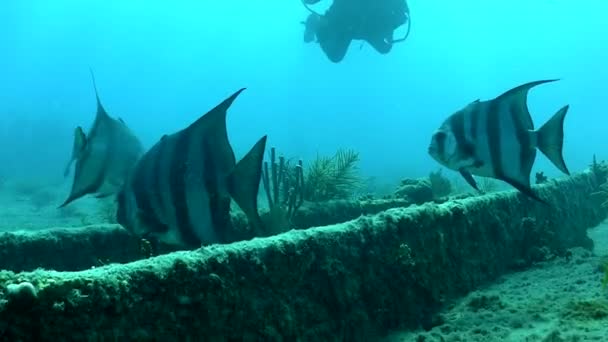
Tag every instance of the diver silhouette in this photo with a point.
(372, 21)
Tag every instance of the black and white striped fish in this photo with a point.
(181, 189)
(104, 157)
(496, 139)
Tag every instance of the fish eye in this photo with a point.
(440, 137)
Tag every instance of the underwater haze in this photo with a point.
(160, 65)
(215, 170)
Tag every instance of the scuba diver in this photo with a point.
(373, 21)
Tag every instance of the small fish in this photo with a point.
(104, 157)
(496, 139)
(181, 189)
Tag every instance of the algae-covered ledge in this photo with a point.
(350, 281)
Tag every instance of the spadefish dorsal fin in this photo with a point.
(217, 115)
(212, 126)
(524, 88)
(100, 109)
(517, 100)
(244, 182)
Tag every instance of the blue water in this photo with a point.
(160, 64)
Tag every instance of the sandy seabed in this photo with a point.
(558, 300)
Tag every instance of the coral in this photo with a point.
(537, 242)
(440, 185)
(333, 177)
(601, 195)
(415, 190)
(145, 248)
(605, 272)
(284, 187)
(23, 294)
(346, 282)
(586, 310)
(435, 187)
(600, 173)
(540, 178)
(599, 170)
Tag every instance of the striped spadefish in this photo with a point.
(498, 131)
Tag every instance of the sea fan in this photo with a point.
(333, 177)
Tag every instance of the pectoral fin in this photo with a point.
(525, 189)
(80, 141)
(477, 164)
(103, 195)
(469, 178)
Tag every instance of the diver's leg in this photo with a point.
(380, 44)
(333, 42)
(336, 49)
